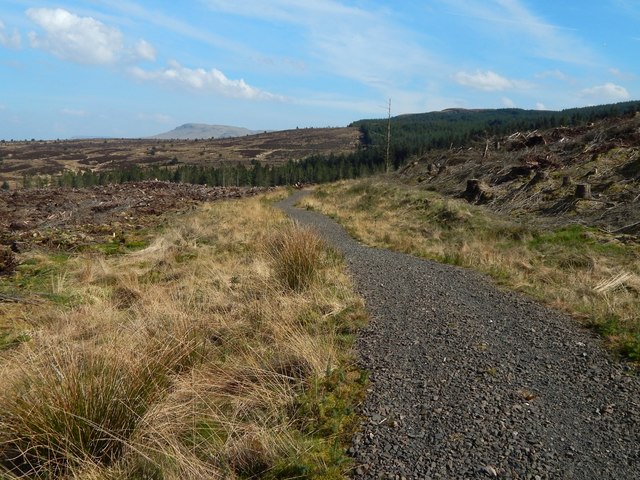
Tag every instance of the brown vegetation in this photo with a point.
(588, 175)
(188, 359)
(584, 271)
(275, 148)
(72, 219)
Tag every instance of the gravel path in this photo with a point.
(468, 381)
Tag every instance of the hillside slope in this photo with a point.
(191, 131)
(272, 148)
(544, 174)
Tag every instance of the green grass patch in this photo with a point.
(119, 246)
(324, 415)
(10, 340)
(41, 275)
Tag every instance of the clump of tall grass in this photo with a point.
(297, 255)
(189, 359)
(73, 405)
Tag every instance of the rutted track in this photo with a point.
(468, 381)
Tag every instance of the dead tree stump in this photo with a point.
(540, 176)
(477, 192)
(583, 190)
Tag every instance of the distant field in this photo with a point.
(55, 156)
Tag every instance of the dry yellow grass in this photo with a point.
(190, 359)
(565, 267)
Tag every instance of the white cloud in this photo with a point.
(540, 106)
(77, 39)
(507, 102)
(607, 92)
(83, 40)
(9, 40)
(145, 51)
(199, 79)
(488, 81)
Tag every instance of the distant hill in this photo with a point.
(191, 131)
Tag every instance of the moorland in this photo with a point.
(160, 319)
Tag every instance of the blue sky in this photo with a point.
(130, 68)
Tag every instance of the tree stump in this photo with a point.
(477, 192)
(8, 261)
(583, 190)
(540, 176)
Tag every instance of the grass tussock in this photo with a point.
(579, 270)
(196, 357)
(297, 255)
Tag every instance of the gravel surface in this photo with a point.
(468, 381)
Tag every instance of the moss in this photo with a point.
(10, 340)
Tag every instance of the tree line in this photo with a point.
(411, 136)
(313, 169)
(416, 134)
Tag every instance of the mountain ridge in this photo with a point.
(193, 131)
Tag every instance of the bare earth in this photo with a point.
(70, 218)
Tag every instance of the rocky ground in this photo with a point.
(468, 381)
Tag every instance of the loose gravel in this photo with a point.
(469, 381)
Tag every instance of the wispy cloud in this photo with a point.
(356, 43)
(622, 75)
(9, 40)
(488, 81)
(555, 74)
(609, 92)
(83, 40)
(145, 51)
(155, 117)
(155, 17)
(199, 79)
(627, 7)
(542, 38)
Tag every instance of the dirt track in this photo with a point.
(468, 381)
